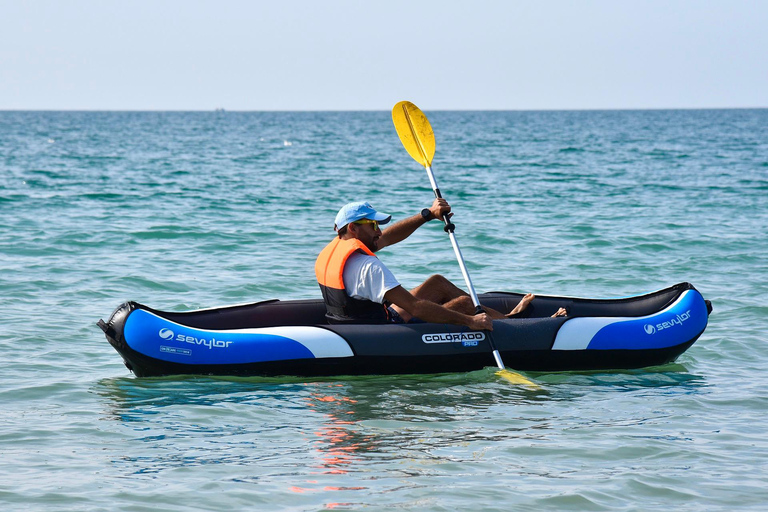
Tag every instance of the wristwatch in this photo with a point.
(426, 213)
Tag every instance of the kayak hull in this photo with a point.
(276, 338)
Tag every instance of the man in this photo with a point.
(356, 285)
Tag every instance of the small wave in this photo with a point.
(167, 232)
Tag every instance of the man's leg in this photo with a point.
(440, 290)
(436, 289)
(465, 305)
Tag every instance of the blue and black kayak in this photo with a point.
(293, 337)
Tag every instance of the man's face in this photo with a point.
(368, 232)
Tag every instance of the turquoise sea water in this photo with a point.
(190, 210)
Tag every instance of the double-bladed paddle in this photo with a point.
(417, 136)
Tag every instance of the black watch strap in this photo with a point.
(426, 213)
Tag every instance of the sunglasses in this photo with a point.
(368, 221)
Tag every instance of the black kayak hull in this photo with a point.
(291, 338)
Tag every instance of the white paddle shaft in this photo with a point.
(464, 270)
(454, 242)
(463, 267)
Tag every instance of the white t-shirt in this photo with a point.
(365, 277)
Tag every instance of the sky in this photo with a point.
(370, 54)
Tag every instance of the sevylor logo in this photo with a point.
(678, 320)
(168, 335)
(453, 337)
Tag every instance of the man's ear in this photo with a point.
(352, 229)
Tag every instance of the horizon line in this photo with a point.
(225, 110)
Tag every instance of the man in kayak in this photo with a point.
(358, 288)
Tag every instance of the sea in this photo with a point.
(189, 210)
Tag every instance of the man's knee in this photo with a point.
(436, 280)
(437, 289)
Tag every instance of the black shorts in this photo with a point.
(395, 318)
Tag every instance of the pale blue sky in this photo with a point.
(367, 55)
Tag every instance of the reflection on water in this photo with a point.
(338, 437)
(671, 375)
(365, 436)
(413, 398)
(408, 398)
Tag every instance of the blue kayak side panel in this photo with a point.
(159, 338)
(682, 321)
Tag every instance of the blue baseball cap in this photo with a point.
(358, 211)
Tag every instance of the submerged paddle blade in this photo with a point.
(516, 378)
(415, 132)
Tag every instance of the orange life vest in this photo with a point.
(329, 270)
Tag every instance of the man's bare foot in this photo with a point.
(560, 312)
(521, 305)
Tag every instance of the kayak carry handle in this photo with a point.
(106, 328)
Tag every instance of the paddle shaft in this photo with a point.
(449, 228)
(416, 134)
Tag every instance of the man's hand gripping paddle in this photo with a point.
(417, 136)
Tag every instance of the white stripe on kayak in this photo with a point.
(576, 334)
(321, 342)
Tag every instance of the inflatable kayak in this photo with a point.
(276, 337)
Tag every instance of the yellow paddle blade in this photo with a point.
(415, 132)
(516, 378)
